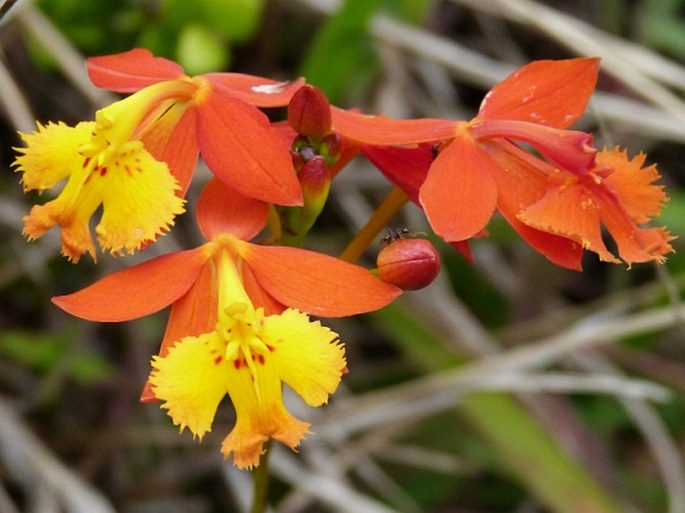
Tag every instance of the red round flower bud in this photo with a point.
(309, 112)
(410, 264)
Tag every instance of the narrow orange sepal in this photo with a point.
(257, 91)
(137, 291)
(552, 93)
(315, 283)
(174, 141)
(130, 71)
(382, 131)
(242, 151)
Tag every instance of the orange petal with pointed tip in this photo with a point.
(130, 71)
(193, 314)
(559, 250)
(463, 248)
(137, 291)
(222, 210)
(459, 194)
(257, 91)
(382, 131)
(314, 283)
(552, 93)
(174, 141)
(242, 151)
(405, 167)
(260, 297)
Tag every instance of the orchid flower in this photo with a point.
(239, 322)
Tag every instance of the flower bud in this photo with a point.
(330, 148)
(315, 179)
(410, 264)
(309, 112)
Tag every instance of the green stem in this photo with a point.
(391, 205)
(260, 480)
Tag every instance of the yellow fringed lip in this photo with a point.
(248, 357)
(137, 193)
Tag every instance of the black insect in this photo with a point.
(393, 234)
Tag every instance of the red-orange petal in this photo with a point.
(260, 297)
(137, 291)
(633, 184)
(552, 93)
(405, 167)
(193, 314)
(242, 150)
(257, 91)
(130, 71)
(382, 131)
(637, 244)
(315, 283)
(519, 184)
(222, 210)
(462, 247)
(559, 250)
(459, 194)
(570, 208)
(174, 141)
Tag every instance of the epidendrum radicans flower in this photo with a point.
(103, 166)
(138, 156)
(238, 323)
(463, 171)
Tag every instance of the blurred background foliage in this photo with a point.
(466, 397)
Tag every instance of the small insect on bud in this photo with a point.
(410, 264)
(309, 112)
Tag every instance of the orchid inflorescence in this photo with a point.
(240, 310)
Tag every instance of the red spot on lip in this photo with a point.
(218, 360)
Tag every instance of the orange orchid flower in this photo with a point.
(534, 105)
(408, 167)
(238, 323)
(478, 167)
(214, 115)
(617, 193)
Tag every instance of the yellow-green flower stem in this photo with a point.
(391, 205)
(260, 481)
